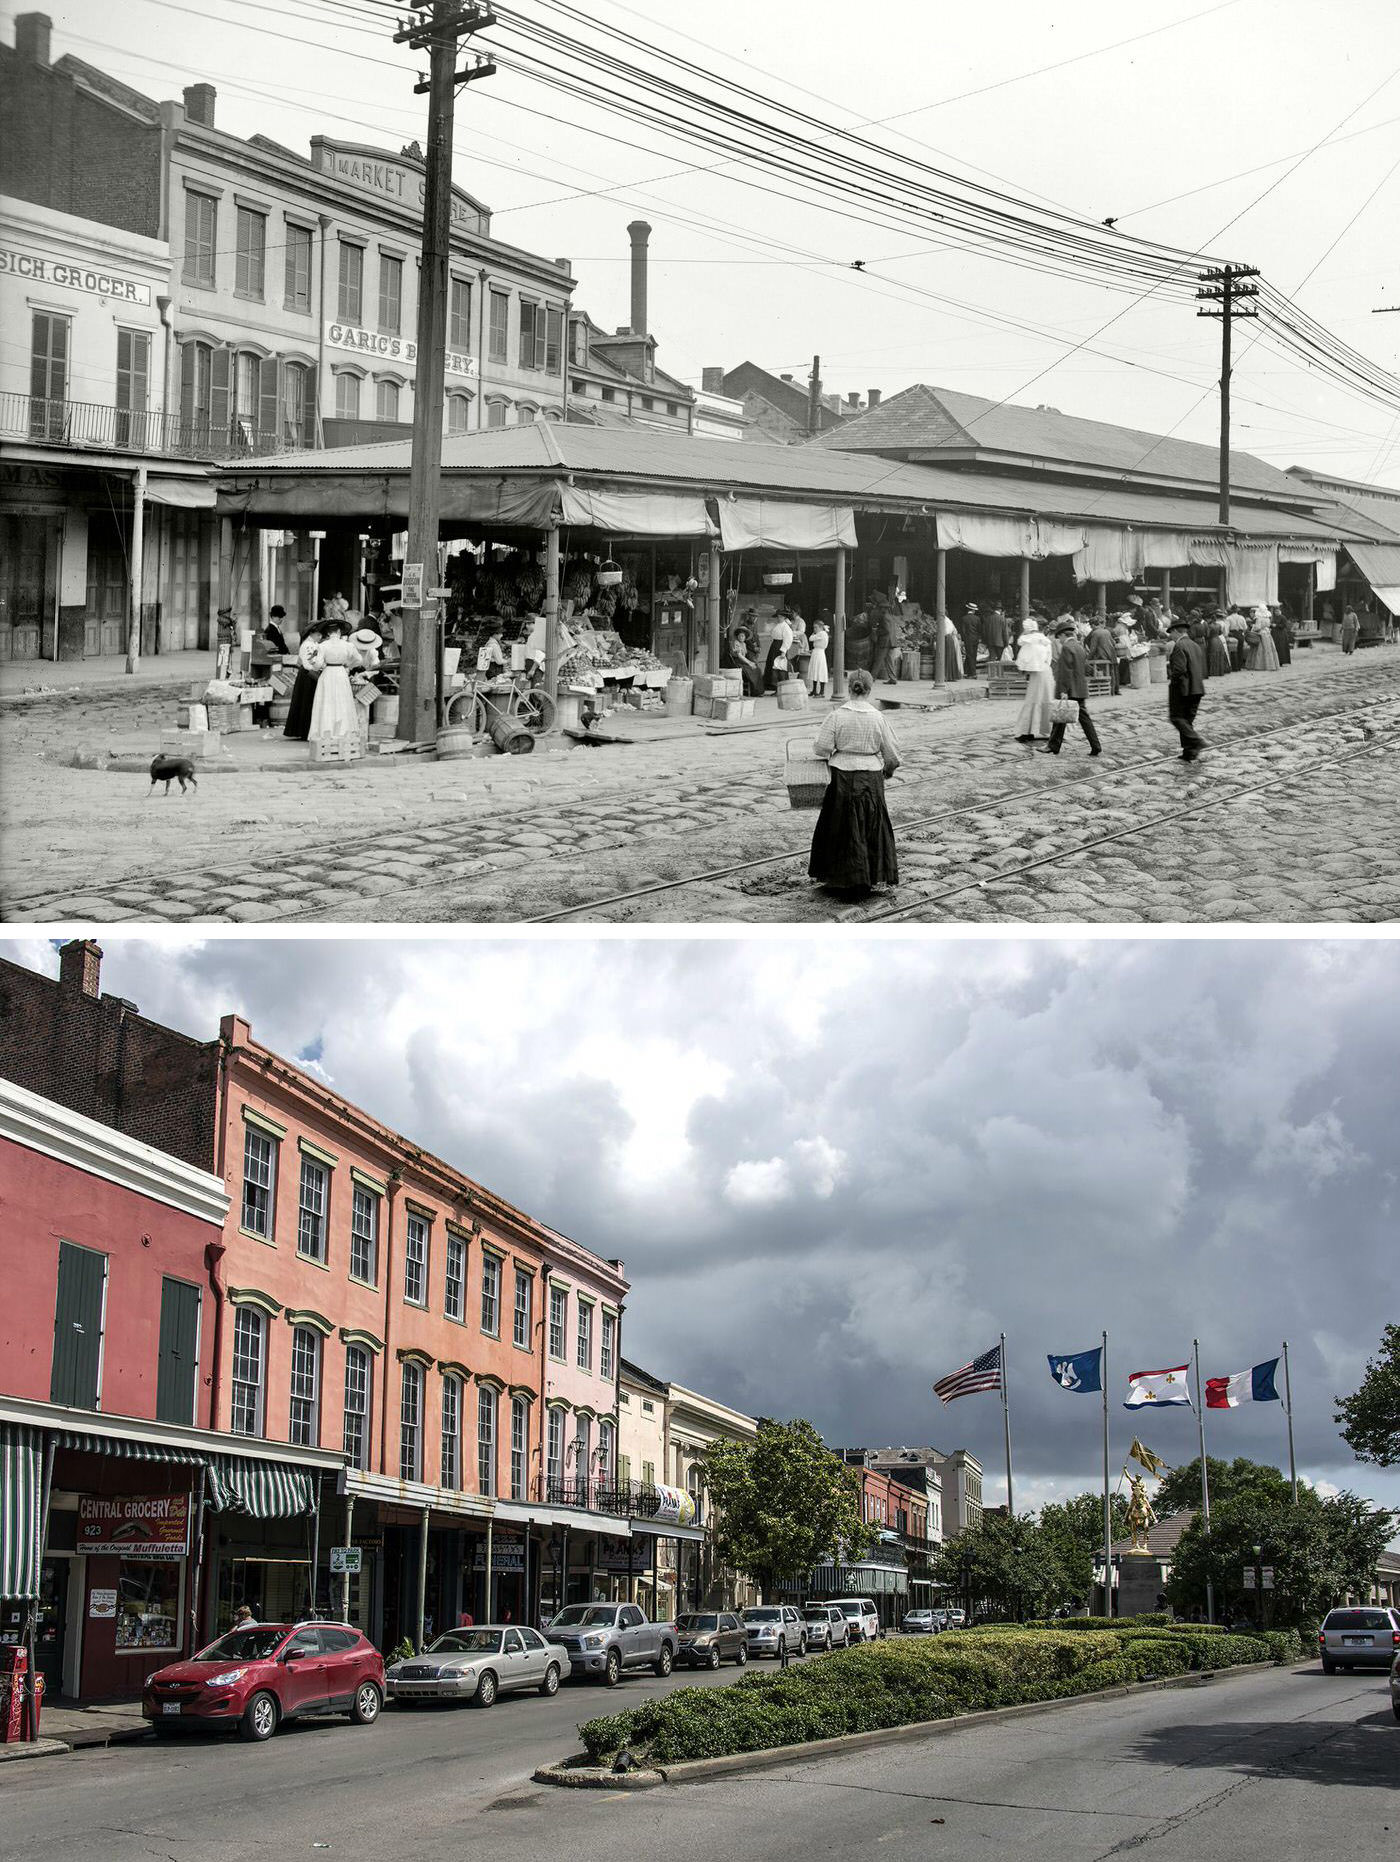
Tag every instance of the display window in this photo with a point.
(148, 1604)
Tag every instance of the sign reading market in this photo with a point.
(136, 1525)
(400, 180)
(375, 346)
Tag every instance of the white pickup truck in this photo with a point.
(603, 1639)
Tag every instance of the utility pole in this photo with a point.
(814, 396)
(436, 29)
(1223, 287)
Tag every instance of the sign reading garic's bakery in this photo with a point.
(375, 346)
(400, 180)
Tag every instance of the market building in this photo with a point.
(779, 409)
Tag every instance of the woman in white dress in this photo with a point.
(1033, 658)
(335, 717)
(816, 666)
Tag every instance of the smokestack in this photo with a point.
(32, 37)
(80, 967)
(639, 233)
(199, 104)
(872, 396)
(712, 381)
(814, 396)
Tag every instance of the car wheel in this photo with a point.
(1329, 1667)
(665, 1661)
(802, 1643)
(368, 1701)
(259, 1717)
(549, 1687)
(714, 1656)
(1395, 1708)
(742, 1656)
(486, 1689)
(612, 1671)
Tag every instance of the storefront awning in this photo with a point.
(1035, 537)
(774, 523)
(1379, 563)
(190, 494)
(636, 513)
(21, 1498)
(260, 1489)
(125, 1449)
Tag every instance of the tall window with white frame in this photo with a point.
(364, 1235)
(451, 1473)
(454, 1292)
(411, 1422)
(555, 1459)
(259, 1182)
(415, 1260)
(311, 1210)
(491, 1295)
(585, 1336)
(359, 1384)
(524, 1297)
(249, 1369)
(519, 1447)
(606, 1443)
(583, 1443)
(607, 1355)
(486, 1440)
(558, 1321)
(304, 1422)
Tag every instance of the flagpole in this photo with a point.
(1288, 1411)
(1107, 1504)
(1205, 1479)
(1006, 1420)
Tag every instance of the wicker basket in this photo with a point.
(807, 775)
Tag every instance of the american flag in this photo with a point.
(983, 1373)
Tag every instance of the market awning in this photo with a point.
(1379, 563)
(1035, 537)
(190, 494)
(636, 513)
(775, 523)
(21, 1498)
(260, 1489)
(123, 1448)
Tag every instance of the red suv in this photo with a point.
(264, 1673)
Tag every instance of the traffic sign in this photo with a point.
(345, 1560)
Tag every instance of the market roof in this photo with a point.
(923, 419)
(647, 455)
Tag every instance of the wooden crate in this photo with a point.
(1006, 681)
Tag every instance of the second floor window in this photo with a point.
(390, 294)
(524, 1291)
(201, 222)
(532, 335)
(347, 396)
(249, 1359)
(350, 296)
(451, 1472)
(364, 1235)
(358, 1387)
(386, 400)
(454, 1291)
(133, 370)
(457, 407)
(607, 1364)
(554, 340)
(411, 1424)
(259, 1181)
(297, 423)
(556, 1445)
(490, 1295)
(304, 1423)
(519, 1447)
(496, 337)
(558, 1319)
(585, 1337)
(605, 1452)
(459, 315)
(486, 1440)
(296, 291)
(496, 413)
(311, 1210)
(250, 264)
(415, 1261)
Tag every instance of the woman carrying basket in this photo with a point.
(853, 846)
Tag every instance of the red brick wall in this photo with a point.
(66, 149)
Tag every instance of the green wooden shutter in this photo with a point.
(178, 1363)
(77, 1326)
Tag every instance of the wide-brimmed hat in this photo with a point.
(1178, 623)
(1064, 627)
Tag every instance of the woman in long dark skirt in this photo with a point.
(853, 846)
(298, 725)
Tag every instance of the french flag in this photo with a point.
(1252, 1386)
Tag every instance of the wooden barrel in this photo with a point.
(454, 740)
(679, 696)
(792, 695)
(509, 736)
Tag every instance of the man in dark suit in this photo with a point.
(1102, 646)
(1072, 681)
(970, 633)
(1186, 684)
(994, 630)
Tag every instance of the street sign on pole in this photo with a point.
(345, 1560)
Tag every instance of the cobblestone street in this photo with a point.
(1292, 817)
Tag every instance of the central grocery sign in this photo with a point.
(135, 1525)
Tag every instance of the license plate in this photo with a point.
(170, 1706)
(1356, 1642)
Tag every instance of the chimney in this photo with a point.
(32, 37)
(853, 401)
(785, 378)
(712, 381)
(639, 233)
(872, 396)
(80, 962)
(199, 104)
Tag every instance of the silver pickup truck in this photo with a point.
(603, 1639)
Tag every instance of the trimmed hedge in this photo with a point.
(888, 1684)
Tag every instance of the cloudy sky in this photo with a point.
(1264, 131)
(837, 1169)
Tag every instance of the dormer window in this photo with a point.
(578, 342)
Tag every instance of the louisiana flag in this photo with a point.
(1255, 1385)
(1078, 1370)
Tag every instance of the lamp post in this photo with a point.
(1258, 1587)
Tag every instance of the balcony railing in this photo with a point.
(92, 427)
(622, 1499)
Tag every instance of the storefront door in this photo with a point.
(51, 1632)
(29, 548)
(108, 588)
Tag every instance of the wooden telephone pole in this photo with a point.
(1223, 288)
(438, 30)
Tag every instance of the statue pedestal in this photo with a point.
(1140, 1583)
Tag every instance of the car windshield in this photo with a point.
(761, 1616)
(1357, 1619)
(586, 1616)
(697, 1622)
(851, 1609)
(243, 1645)
(467, 1642)
(817, 1609)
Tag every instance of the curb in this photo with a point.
(594, 1778)
(33, 1749)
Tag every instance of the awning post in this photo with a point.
(349, 1540)
(551, 614)
(138, 567)
(488, 1614)
(940, 614)
(1101, 600)
(315, 1542)
(838, 627)
(712, 610)
(422, 1579)
(1025, 588)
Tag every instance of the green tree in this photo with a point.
(783, 1504)
(1370, 1417)
(1181, 1489)
(1074, 1530)
(1005, 1567)
(1320, 1551)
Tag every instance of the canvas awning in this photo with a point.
(125, 1449)
(189, 494)
(1034, 537)
(636, 513)
(1379, 563)
(260, 1489)
(21, 1501)
(774, 523)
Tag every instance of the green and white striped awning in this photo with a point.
(21, 1498)
(123, 1447)
(260, 1489)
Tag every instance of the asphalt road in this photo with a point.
(1274, 1766)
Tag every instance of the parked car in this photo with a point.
(257, 1677)
(775, 1628)
(705, 1638)
(1365, 1636)
(826, 1627)
(604, 1639)
(863, 1617)
(919, 1623)
(478, 1664)
(955, 1619)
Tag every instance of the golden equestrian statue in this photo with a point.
(1141, 1513)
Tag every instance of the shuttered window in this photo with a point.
(390, 294)
(178, 1364)
(554, 343)
(386, 400)
(459, 315)
(352, 283)
(77, 1327)
(500, 317)
(250, 263)
(297, 281)
(347, 396)
(532, 335)
(201, 221)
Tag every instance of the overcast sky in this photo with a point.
(837, 1168)
(1264, 131)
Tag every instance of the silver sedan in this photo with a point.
(477, 1665)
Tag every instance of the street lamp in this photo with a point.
(1258, 1587)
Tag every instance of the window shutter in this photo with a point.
(189, 363)
(267, 404)
(220, 374)
(308, 432)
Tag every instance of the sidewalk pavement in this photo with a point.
(31, 680)
(64, 1729)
